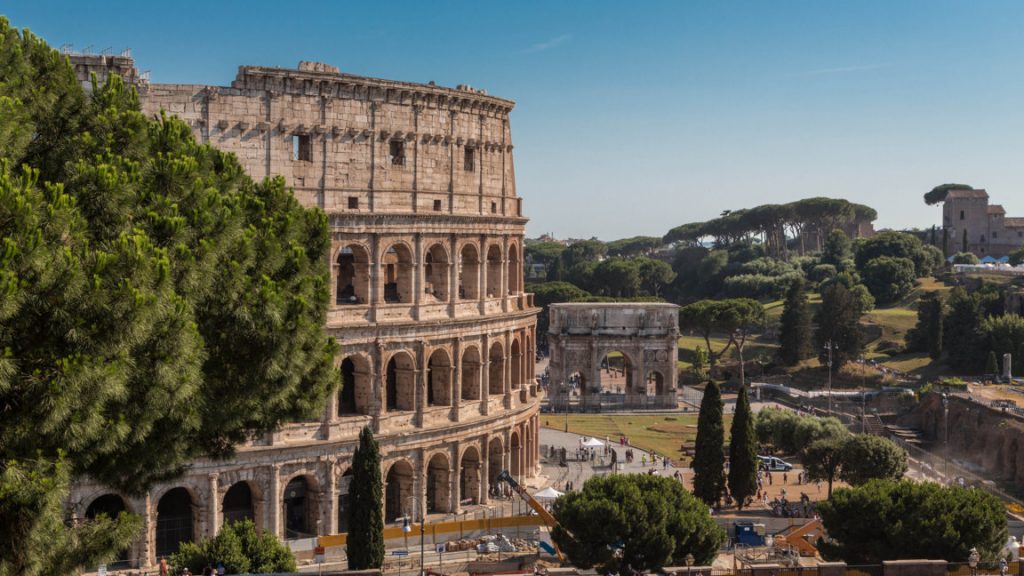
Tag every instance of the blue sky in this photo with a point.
(632, 118)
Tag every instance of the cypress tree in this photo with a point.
(795, 326)
(555, 272)
(964, 247)
(945, 242)
(962, 331)
(742, 452)
(708, 459)
(933, 311)
(991, 364)
(839, 323)
(365, 545)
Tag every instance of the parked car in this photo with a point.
(773, 464)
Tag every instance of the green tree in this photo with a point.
(991, 363)
(556, 271)
(823, 459)
(938, 194)
(965, 258)
(365, 545)
(1005, 334)
(795, 326)
(776, 426)
(838, 321)
(156, 304)
(635, 246)
(963, 243)
(700, 363)
(547, 293)
(742, 451)
(617, 277)
(708, 456)
(838, 249)
(927, 334)
(888, 279)
(655, 275)
(962, 330)
(867, 457)
(734, 317)
(640, 522)
(241, 547)
(920, 520)
(896, 245)
(945, 242)
(1017, 257)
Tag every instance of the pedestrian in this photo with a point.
(163, 566)
(1002, 567)
(785, 479)
(770, 481)
(220, 569)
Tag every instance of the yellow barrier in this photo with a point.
(449, 527)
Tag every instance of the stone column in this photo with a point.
(421, 383)
(213, 522)
(504, 267)
(379, 382)
(485, 375)
(485, 472)
(147, 546)
(419, 486)
(453, 274)
(418, 281)
(482, 251)
(274, 502)
(506, 373)
(376, 274)
(456, 379)
(332, 497)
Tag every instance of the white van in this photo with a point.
(773, 464)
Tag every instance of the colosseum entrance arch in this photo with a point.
(615, 356)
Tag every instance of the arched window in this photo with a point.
(496, 376)
(300, 509)
(471, 374)
(439, 379)
(238, 503)
(515, 271)
(494, 271)
(174, 521)
(352, 272)
(517, 365)
(438, 485)
(397, 491)
(401, 383)
(435, 273)
(469, 273)
(397, 266)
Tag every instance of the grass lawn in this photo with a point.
(664, 434)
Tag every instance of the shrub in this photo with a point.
(240, 547)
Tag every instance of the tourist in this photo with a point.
(785, 478)
(163, 566)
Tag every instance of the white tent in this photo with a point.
(548, 493)
(593, 443)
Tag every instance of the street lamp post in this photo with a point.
(945, 443)
(829, 346)
(863, 397)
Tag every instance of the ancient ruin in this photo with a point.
(437, 336)
(593, 343)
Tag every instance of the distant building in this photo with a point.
(988, 230)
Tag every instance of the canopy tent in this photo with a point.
(593, 443)
(988, 260)
(548, 493)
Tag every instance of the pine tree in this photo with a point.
(365, 546)
(795, 326)
(555, 270)
(742, 451)
(962, 331)
(708, 458)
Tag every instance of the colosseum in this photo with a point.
(437, 337)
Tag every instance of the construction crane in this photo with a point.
(542, 512)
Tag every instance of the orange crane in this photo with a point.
(537, 507)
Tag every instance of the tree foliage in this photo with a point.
(920, 520)
(889, 279)
(898, 245)
(156, 304)
(938, 194)
(734, 317)
(867, 457)
(651, 519)
(838, 321)
(1004, 334)
(927, 334)
(795, 326)
(365, 545)
(823, 460)
(963, 340)
(708, 457)
(241, 547)
(742, 451)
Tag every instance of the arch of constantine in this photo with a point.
(613, 355)
(437, 337)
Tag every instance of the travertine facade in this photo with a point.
(582, 335)
(437, 336)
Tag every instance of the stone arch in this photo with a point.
(469, 475)
(400, 382)
(471, 373)
(494, 270)
(109, 505)
(469, 272)
(654, 383)
(344, 486)
(517, 364)
(496, 369)
(616, 371)
(176, 518)
(439, 378)
(495, 459)
(356, 395)
(300, 506)
(398, 490)
(515, 270)
(438, 490)
(352, 275)
(436, 266)
(240, 501)
(397, 274)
